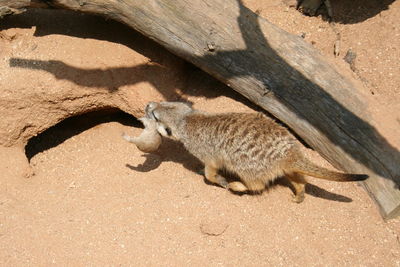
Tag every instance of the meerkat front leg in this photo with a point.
(211, 174)
(255, 185)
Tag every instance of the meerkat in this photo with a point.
(150, 139)
(251, 145)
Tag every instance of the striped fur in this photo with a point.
(251, 145)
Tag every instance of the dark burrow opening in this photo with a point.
(72, 126)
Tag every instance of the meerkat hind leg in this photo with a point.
(255, 185)
(298, 182)
(247, 184)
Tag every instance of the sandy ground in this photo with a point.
(96, 200)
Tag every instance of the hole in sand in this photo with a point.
(69, 127)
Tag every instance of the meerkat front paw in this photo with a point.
(298, 198)
(237, 187)
(222, 181)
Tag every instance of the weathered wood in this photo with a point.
(274, 69)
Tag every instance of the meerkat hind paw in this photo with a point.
(298, 198)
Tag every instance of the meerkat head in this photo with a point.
(168, 115)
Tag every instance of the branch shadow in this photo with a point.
(306, 95)
(194, 82)
(253, 36)
(111, 78)
(86, 26)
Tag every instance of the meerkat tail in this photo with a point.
(306, 167)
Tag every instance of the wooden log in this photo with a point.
(276, 70)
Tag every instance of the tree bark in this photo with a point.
(274, 69)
